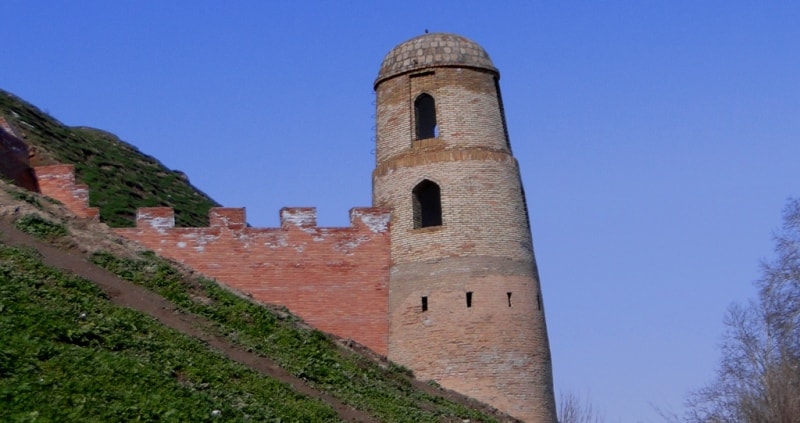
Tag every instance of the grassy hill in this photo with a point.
(72, 349)
(120, 177)
(67, 354)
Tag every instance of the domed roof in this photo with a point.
(435, 49)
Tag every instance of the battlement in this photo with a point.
(155, 217)
(58, 182)
(301, 217)
(376, 220)
(465, 307)
(316, 272)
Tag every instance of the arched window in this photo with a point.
(427, 205)
(425, 115)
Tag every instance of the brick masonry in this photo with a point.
(459, 303)
(465, 304)
(336, 279)
(58, 182)
(493, 349)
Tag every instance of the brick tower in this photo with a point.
(465, 307)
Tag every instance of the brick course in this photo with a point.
(367, 281)
(492, 346)
(336, 279)
(58, 182)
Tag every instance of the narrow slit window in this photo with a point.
(538, 301)
(424, 303)
(508, 294)
(469, 298)
(427, 205)
(425, 116)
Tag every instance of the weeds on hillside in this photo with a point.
(22, 195)
(309, 354)
(67, 354)
(33, 224)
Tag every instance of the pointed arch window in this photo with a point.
(425, 117)
(427, 205)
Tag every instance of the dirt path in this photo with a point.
(133, 296)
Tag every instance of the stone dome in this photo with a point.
(435, 49)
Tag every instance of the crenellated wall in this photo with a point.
(336, 279)
(457, 299)
(58, 182)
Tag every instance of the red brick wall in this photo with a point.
(58, 182)
(336, 279)
(495, 348)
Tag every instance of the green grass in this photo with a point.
(40, 227)
(309, 354)
(67, 354)
(120, 177)
(22, 195)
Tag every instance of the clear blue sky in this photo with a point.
(658, 141)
